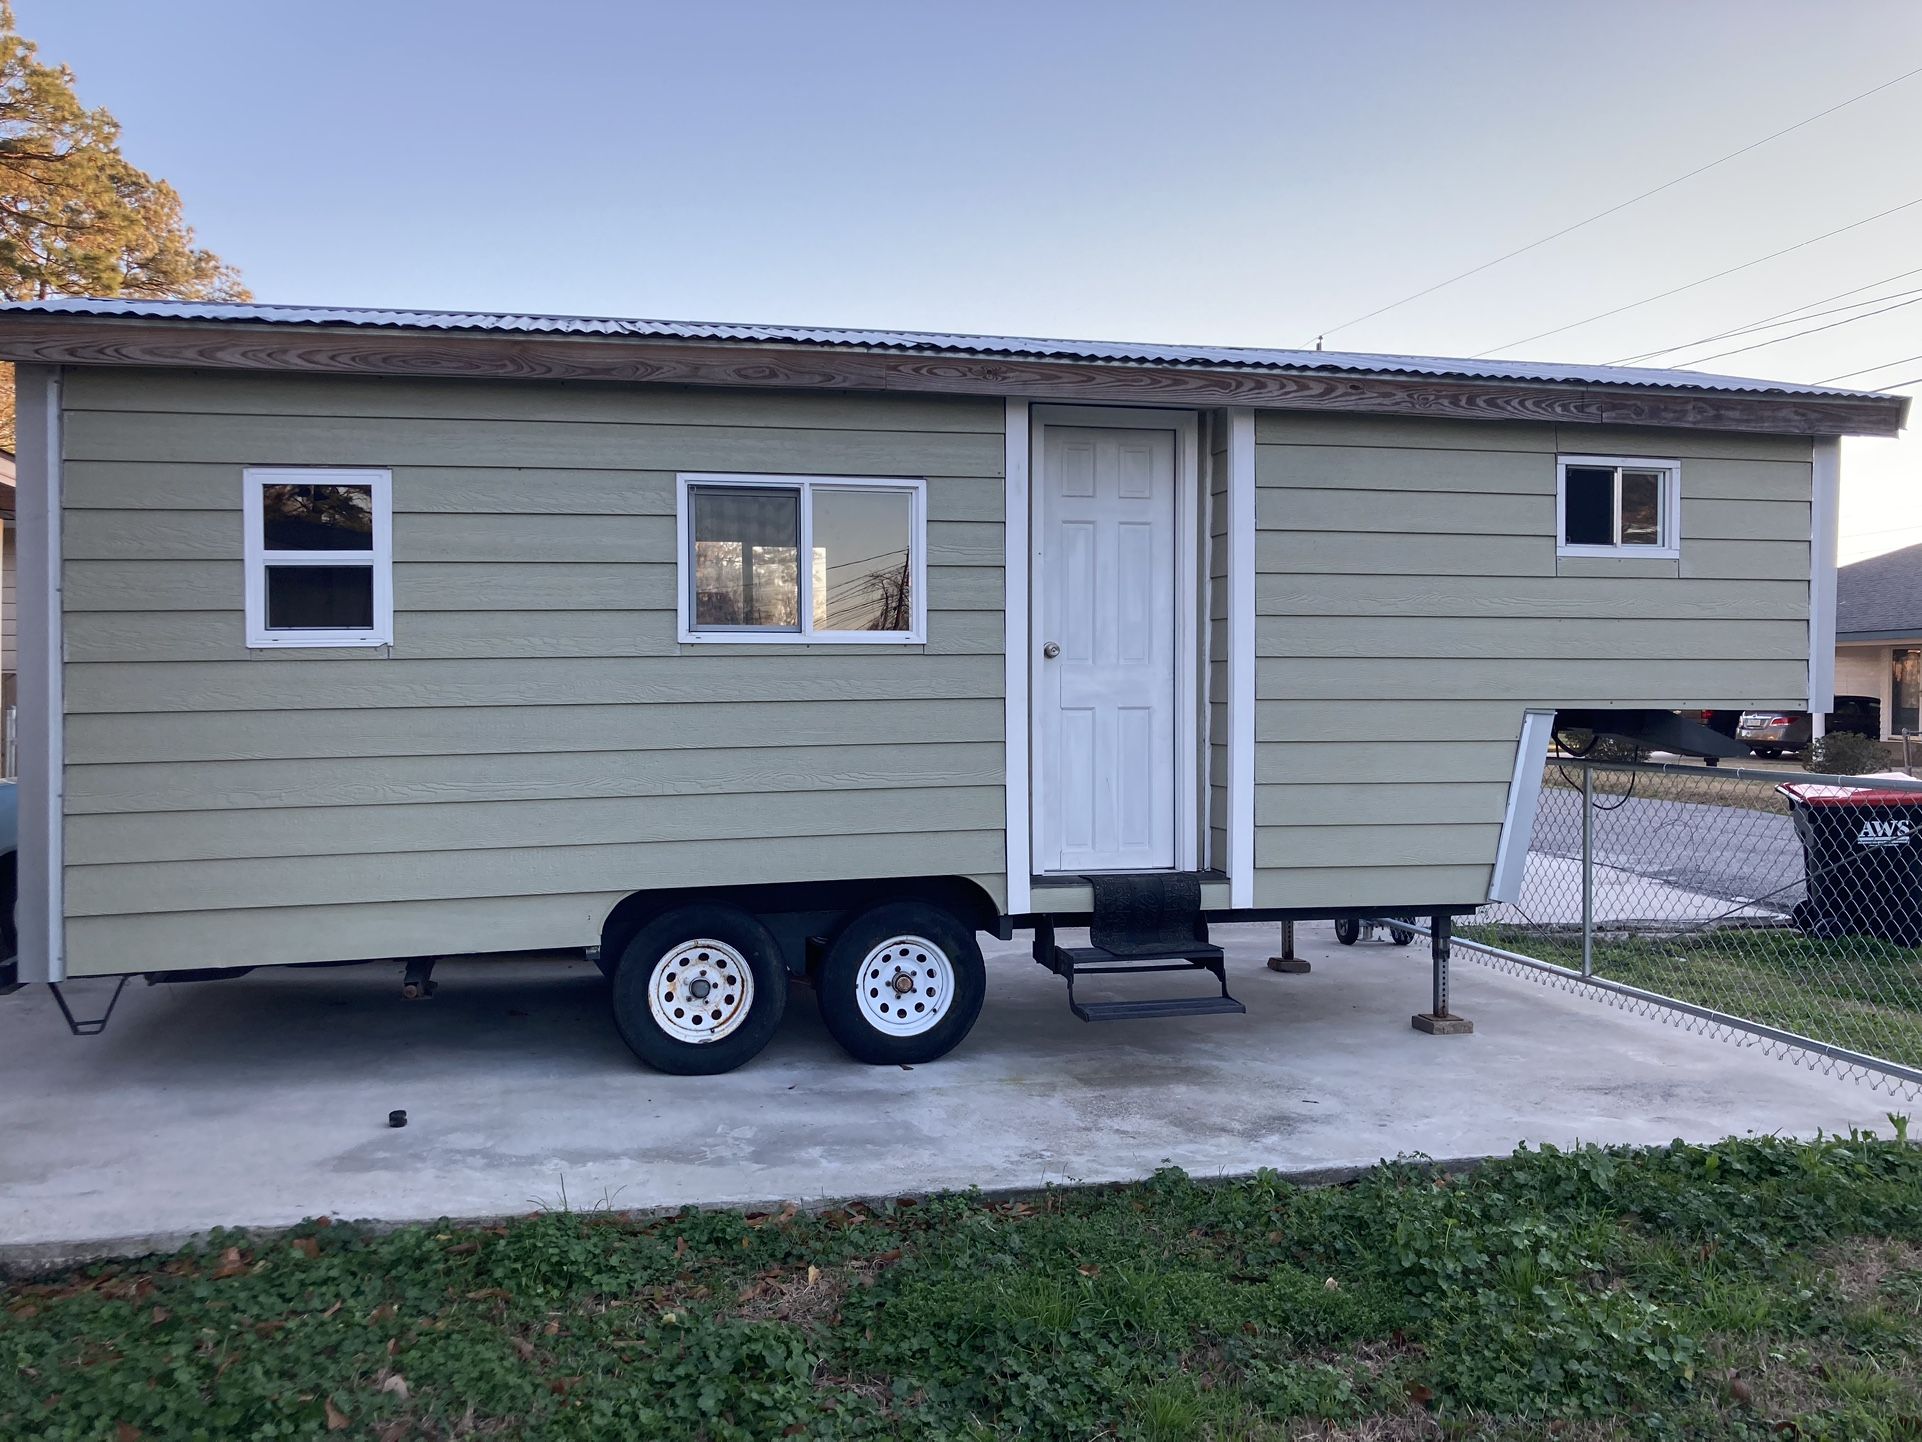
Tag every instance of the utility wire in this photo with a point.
(1812, 330)
(1902, 385)
(1624, 205)
(1866, 369)
(1677, 290)
(1781, 317)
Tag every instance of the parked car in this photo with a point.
(1770, 733)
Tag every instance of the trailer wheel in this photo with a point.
(902, 983)
(1347, 930)
(1400, 935)
(700, 990)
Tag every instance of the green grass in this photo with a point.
(1852, 991)
(1754, 1289)
(1708, 786)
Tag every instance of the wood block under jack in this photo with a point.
(1441, 1025)
(1288, 961)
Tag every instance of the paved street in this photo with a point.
(1725, 852)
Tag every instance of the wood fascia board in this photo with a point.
(351, 350)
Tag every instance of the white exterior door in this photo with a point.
(1105, 617)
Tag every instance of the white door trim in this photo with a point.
(1187, 616)
(1018, 847)
(1240, 863)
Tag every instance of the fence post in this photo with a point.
(1588, 868)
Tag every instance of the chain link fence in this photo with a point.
(1774, 909)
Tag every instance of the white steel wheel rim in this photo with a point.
(905, 986)
(701, 991)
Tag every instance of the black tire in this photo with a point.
(1400, 935)
(925, 936)
(681, 931)
(1348, 931)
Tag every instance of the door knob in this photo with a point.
(1051, 650)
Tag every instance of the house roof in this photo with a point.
(930, 342)
(1880, 598)
(515, 346)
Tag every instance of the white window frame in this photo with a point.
(1671, 507)
(914, 487)
(380, 560)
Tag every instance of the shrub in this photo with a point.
(1843, 753)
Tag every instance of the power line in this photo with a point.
(1903, 385)
(1624, 205)
(1866, 369)
(1664, 295)
(1798, 334)
(1780, 317)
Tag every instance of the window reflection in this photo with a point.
(1641, 508)
(863, 573)
(747, 544)
(317, 518)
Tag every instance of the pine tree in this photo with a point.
(76, 216)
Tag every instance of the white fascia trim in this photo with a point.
(1524, 795)
(1825, 503)
(1015, 642)
(1241, 657)
(41, 911)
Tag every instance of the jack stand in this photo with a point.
(1440, 1021)
(1288, 962)
(95, 1025)
(418, 980)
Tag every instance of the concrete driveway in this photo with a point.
(264, 1100)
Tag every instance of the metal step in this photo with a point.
(1162, 1006)
(1157, 958)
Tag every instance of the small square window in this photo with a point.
(742, 574)
(1608, 507)
(319, 557)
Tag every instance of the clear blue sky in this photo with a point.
(1246, 173)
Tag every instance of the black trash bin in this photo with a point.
(1862, 852)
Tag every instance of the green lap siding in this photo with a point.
(537, 742)
(1410, 607)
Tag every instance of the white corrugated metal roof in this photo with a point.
(1117, 352)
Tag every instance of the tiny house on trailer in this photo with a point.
(747, 654)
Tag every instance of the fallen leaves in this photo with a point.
(394, 1385)
(306, 1246)
(337, 1420)
(233, 1263)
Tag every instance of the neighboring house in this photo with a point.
(1878, 636)
(743, 652)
